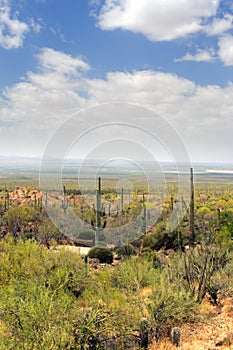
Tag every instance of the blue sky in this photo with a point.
(60, 57)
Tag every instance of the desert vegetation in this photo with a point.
(150, 293)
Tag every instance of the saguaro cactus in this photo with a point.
(191, 212)
(35, 201)
(46, 199)
(97, 226)
(122, 201)
(219, 219)
(6, 200)
(144, 215)
(39, 201)
(172, 204)
(64, 204)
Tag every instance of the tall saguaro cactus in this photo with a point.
(98, 209)
(144, 215)
(122, 200)
(191, 211)
(97, 226)
(6, 200)
(64, 204)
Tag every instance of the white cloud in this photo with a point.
(12, 30)
(226, 49)
(32, 109)
(56, 61)
(220, 25)
(146, 87)
(161, 20)
(207, 55)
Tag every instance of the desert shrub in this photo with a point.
(103, 254)
(39, 309)
(36, 317)
(151, 255)
(21, 221)
(134, 274)
(197, 268)
(223, 279)
(36, 296)
(126, 251)
(224, 237)
(48, 234)
(164, 239)
(101, 327)
(170, 301)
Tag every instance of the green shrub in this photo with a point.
(126, 251)
(163, 239)
(134, 273)
(103, 254)
(36, 299)
(224, 238)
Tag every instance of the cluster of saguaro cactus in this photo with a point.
(37, 203)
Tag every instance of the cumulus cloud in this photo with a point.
(226, 49)
(207, 55)
(12, 30)
(57, 61)
(34, 107)
(53, 88)
(201, 115)
(31, 109)
(220, 25)
(158, 20)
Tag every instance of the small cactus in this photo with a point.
(144, 333)
(176, 334)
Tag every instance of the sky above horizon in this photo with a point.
(62, 57)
